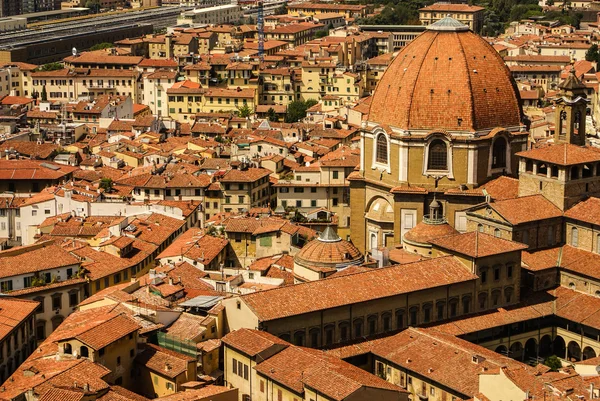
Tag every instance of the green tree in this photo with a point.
(44, 94)
(271, 115)
(321, 34)
(553, 363)
(93, 5)
(101, 46)
(296, 110)
(250, 20)
(592, 53)
(245, 111)
(281, 10)
(106, 184)
(51, 67)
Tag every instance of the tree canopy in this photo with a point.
(245, 111)
(553, 363)
(51, 67)
(296, 110)
(103, 45)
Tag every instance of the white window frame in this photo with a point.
(449, 172)
(374, 163)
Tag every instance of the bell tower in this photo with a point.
(570, 111)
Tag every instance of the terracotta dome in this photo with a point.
(423, 232)
(329, 250)
(448, 78)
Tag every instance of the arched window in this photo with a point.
(83, 350)
(314, 337)
(499, 153)
(497, 232)
(400, 319)
(466, 304)
(358, 328)
(508, 293)
(480, 228)
(372, 324)
(299, 338)
(482, 299)
(386, 318)
(344, 331)
(438, 155)
(381, 155)
(67, 349)
(495, 297)
(574, 237)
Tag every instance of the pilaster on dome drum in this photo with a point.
(448, 24)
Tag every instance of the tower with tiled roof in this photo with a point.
(570, 112)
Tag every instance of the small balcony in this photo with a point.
(434, 219)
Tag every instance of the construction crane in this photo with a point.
(260, 26)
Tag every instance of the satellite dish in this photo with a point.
(74, 51)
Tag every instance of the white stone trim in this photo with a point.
(403, 163)
(449, 172)
(374, 164)
(508, 167)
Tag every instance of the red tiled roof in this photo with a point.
(563, 154)
(428, 352)
(34, 258)
(502, 188)
(297, 367)
(477, 245)
(587, 211)
(525, 209)
(253, 342)
(163, 361)
(361, 287)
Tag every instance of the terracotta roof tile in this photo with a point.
(563, 154)
(587, 211)
(525, 209)
(476, 244)
(359, 287)
(163, 361)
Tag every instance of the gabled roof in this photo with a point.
(356, 288)
(525, 209)
(297, 368)
(564, 154)
(477, 245)
(587, 211)
(253, 342)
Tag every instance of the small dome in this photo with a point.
(329, 250)
(424, 232)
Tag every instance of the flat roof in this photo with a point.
(393, 28)
(202, 301)
(53, 12)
